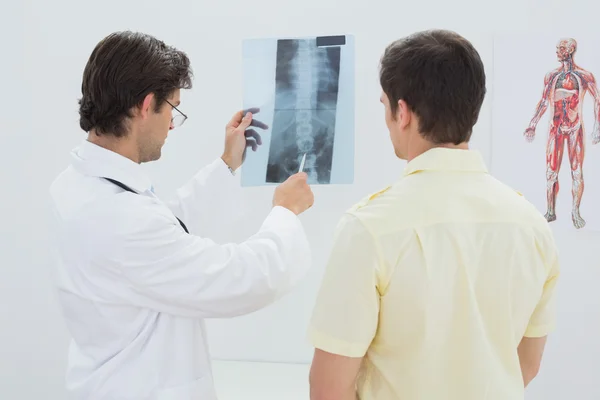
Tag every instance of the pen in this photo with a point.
(302, 163)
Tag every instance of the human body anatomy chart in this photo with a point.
(562, 99)
(304, 88)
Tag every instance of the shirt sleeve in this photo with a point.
(543, 319)
(346, 312)
(153, 263)
(212, 198)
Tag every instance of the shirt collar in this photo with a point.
(93, 160)
(444, 159)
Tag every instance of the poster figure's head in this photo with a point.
(433, 86)
(565, 49)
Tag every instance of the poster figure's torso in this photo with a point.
(567, 100)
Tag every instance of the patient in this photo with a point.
(441, 286)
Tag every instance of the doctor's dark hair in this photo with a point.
(122, 69)
(441, 77)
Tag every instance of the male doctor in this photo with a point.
(135, 278)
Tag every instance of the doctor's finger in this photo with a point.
(244, 123)
(251, 133)
(259, 124)
(251, 143)
(236, 119)
(253, 110)
(302, 176)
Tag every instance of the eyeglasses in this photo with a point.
(179, 118)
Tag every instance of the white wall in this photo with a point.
(45, 47)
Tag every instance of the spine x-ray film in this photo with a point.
(304, 88)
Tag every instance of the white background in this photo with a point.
(45, 47)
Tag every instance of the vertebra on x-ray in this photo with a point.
(306, 91)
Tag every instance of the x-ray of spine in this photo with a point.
(306, 91)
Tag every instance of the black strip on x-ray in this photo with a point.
(331, 41)
(306, 91)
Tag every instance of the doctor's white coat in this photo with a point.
(134, 287)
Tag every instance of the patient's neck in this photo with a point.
(421, 146)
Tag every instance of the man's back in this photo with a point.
(458, 267)
(122, 345)
(134, 286)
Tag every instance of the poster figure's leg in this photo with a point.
(305, 104)
(554, 154)
(576, 154)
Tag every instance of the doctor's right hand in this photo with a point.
(294, 194)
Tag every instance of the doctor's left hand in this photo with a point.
(238, 137)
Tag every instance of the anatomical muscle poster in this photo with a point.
(545, 124)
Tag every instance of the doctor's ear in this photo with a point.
(147, 106)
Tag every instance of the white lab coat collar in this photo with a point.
(93, 160)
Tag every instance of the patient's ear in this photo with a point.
(403, 114)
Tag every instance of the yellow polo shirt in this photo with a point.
(435, 281)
